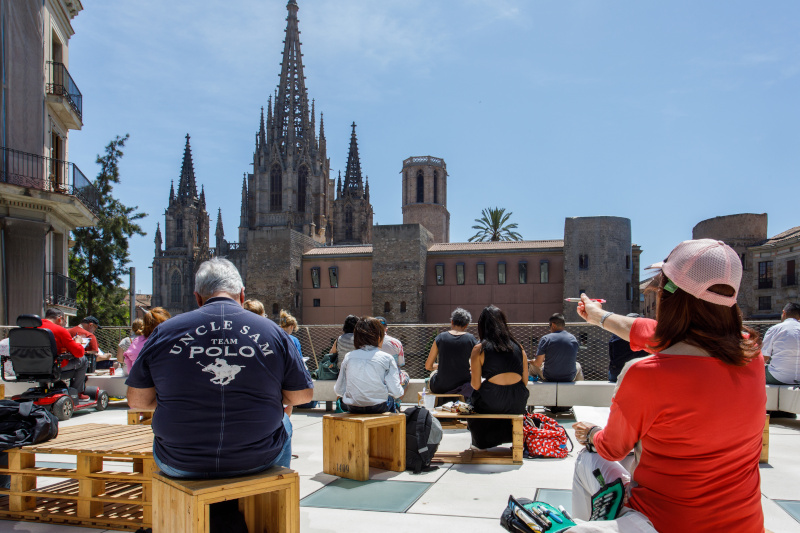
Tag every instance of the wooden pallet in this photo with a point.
(95, 494)
(501, 457)
(140, 416)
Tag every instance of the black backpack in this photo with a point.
(25, 423)
(419, 446)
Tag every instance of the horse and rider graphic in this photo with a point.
(223, 372)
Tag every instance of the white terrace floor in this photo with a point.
(455, 497)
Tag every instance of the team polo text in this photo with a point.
(225, 348)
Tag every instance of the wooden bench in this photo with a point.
(510, 457)
(351, 443)
(140, 417)
(269, 501)
(95, 493)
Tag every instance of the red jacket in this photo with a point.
(92, 346)
(64, 341)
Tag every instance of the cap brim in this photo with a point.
(655, 266)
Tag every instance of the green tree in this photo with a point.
(493, 226)
(98, 259)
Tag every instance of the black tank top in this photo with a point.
(496, 362)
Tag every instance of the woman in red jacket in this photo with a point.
(696, 407)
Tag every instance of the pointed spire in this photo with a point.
(262, 134)
(220, 232)
(291, 101)
(203, 196)
(243, 216)
(366, 190)
(171, 191)
(187, 187)
(323, 145)
(158, 240)
(353, 184)
(339, 186)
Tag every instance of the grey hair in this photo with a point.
(217, 275)
(460, 317)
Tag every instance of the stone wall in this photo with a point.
(431, 209)
(605, 243)
(398, 272)
(434, 217)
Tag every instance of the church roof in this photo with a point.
(496, 246)
(352, 250)
(785, 236)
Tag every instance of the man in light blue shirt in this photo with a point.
(781, 348)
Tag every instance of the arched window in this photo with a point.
(276, 308)
(275, 188)
(179, 231)
(420, 187)
(402, 307)
(348, 223)
(435, 187)
(175, 288)
(387, 307)
(302, 185)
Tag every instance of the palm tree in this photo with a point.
(492, 226)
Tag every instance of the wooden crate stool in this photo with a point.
(765, 443)
(352, 443)
(458, 397)
(269, 501)
(140, 416)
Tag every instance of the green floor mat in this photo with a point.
(790, 506)
(373, 495)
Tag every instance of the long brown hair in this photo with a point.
(717, 329)
(153, 318)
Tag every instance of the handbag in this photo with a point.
(544, 437)
(328, 368)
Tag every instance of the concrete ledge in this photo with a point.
(789, 398)
(772, 397)
(590, 393)
(543, 393)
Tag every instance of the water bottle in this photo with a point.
(422, 395)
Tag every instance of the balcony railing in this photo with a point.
(788, 280)
(60, 290)
(47, 174)
(765, 283)
(60, 83)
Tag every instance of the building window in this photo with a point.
(315, 277)
(627, 262)
(333, 275)
(481, 269)
(544, 272)
(523, 272)
(765, 275)
(791, 279)
(175, 288)
(460, 273)
(583, 261)
(581, 291)
(743, 256)
(435, 187)
(628, 294)
(402, 307)
(765, 303)
(179, 231)
(316, 302)
(387, 307)
(440, 274)
(501, 273)
(302, 186)
(275, 188)
(348, 223)
(296, 300)
(420, 187)
(276, 308)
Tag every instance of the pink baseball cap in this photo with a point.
(694, 266)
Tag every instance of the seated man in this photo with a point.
(54, 321)
(560, 348)
(221, 375)
(781, 348)
(86, 330)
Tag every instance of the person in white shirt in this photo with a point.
(369, 381)
(394, 348)
(781, 348)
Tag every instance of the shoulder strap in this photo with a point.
(423, 423)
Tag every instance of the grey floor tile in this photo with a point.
(386, 496)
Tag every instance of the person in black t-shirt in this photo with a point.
(218, 378)
(619, 353)
(453, 348)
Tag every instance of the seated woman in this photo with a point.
(344, 344)
(694, 410)
(151, 320)
(502, 362)
(369, 380)
(124, 344)
(453, 348)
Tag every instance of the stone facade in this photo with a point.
(399, 262)
(425, 195)
(598, 260)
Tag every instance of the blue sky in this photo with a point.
(666, 113)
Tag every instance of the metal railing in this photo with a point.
(60, 83)
(424, 160)
(48, 174)
(417, 339)
(765, 283)
(60, 290)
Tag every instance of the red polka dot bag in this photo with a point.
(544, 437)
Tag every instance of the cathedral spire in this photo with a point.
(243, 216)
(262, 134)
(220, 231)
(203, 196)
(366, 190)
(291, 102)
(353, 184)
(322, 142)
(158, 240)
(171, 191)
(339, 186)
(187, 187)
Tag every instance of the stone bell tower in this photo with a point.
(425, 195)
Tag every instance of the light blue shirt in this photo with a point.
(782, 344)
(367, 376)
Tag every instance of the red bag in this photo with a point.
(544, 437)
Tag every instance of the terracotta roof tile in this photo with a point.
(783, 236)
(496, 246)
(355, 249)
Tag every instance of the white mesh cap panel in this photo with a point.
(694, 266)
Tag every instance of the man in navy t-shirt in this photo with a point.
(219, 376)
(557, 354)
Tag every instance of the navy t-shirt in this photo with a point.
(218, 372)
(561, 354)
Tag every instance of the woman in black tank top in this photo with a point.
(452, 349)
(502, 362)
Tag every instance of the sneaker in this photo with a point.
(83, 397)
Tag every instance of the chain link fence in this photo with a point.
(417, 339)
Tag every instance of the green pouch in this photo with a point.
(607, 502)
